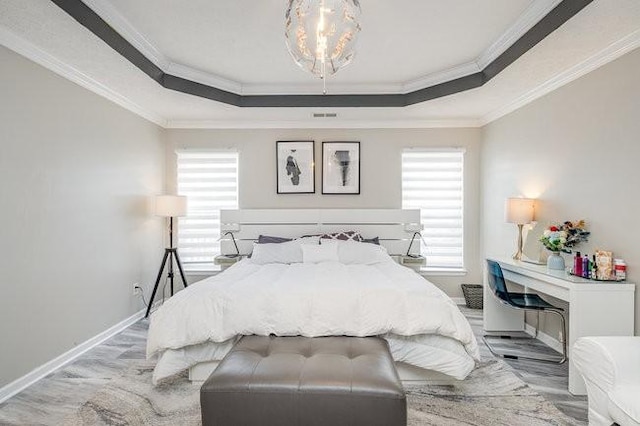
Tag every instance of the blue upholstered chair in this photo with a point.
(526, 302)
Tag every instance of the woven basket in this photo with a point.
(472, 295)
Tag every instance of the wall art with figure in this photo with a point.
(295, 168)
(341, 167)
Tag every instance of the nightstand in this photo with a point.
(414, 263)
(225, 261)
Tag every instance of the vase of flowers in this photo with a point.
(562, 238)
(555, 261)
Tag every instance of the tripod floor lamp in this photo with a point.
(169, 206)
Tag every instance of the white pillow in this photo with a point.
(288, 252)
(308, 240)
(320, 253)
(353, 252)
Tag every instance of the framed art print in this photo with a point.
(341, 167)
(295, 167)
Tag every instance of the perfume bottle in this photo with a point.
(577, 265)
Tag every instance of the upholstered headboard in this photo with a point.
(394, 227)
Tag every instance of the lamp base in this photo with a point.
(169, 254)
(518, 254)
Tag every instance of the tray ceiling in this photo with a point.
(242, 41)
(217, 44)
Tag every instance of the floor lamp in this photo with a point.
(169, 206)
(519, 211)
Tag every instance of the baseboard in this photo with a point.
(554, 344)
(38, 373)
(459, 300)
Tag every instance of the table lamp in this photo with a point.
(169, 206)
(519, 211)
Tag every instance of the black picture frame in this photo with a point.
(295, 167)
(341, 168)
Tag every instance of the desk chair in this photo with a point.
(526, 302)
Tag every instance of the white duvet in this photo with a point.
(423, 326)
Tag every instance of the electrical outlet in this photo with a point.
(137, 290)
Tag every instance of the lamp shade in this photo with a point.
(171, 205)
(519, 210)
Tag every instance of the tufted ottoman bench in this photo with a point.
(303, 381)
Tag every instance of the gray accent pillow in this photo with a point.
(266, 239)
(374, 240)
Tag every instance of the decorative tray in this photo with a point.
(596, 279)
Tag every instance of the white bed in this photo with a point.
(360, 292)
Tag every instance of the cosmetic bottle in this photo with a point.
(577, 265)
(585, 266)
(594, 269)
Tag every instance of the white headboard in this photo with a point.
(394, 227)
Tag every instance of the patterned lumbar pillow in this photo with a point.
(344, 236)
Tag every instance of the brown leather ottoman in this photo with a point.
(302, 381)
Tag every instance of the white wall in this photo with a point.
(380, 151)
(577, 150)
(76, 172)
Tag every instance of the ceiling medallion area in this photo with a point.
(341, 56)
(321, 35)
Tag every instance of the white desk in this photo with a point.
(596, 308)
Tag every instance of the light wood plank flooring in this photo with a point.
(54, 397)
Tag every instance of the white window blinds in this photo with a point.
(210, 181)
(432, 181)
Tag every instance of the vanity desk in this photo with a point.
(596, 308)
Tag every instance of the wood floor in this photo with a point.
(51, 399)
(549, 380)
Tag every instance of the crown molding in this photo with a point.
(118, 22)
(34, 53)
(610, 53)
(316, 87)
(203, 77)
(441, 77)
(90, 19)
(532, 15)
(330, 123)
(39, 56)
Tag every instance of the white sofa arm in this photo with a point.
(606, 362)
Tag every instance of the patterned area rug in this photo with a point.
(491, 395)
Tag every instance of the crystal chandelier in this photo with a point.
(321, 34)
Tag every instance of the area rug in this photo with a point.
(491, 395)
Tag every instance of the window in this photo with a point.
(210, 181)
(432, 181)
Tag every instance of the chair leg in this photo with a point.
(563, 338)
(485, 339)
